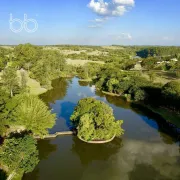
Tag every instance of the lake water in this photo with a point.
(145, 152)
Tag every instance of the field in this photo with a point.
(79, 62)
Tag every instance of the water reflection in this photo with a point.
(45, 147)
(66, 112)
(123, 159)
(83, 83)
(59, 91)
(95, 152)
(3, 175)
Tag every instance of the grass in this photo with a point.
(161, 77)
(80, 62)
(34, 86)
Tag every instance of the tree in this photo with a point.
(24, 79)
(4, 98)
(139, 95)
(171, 89)
(171, 94)
(19, 155)
(50, 66)
(95, 121)
(26, 55)
(112, 84)
(10, 80)
(31, 112)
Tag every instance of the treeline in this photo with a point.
(171, 51)
(134, 87)
(42, 65)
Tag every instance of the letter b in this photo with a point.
(11, 21)
(26, 21)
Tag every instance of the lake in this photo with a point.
(145, 152)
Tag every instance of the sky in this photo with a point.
(90, 22)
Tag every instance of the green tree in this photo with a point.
(19, 155)
(95, 120)
(139, 95)
(4, 98)
(24, 79)
(112, 84)
(26, 55)
(10, 80)
(31, 112)
(171, 89)
(171, 95)
(50, 66)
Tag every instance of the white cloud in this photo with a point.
(113, 8)
(125, 2)
(166, 38)
(119, 11)
(93, 88)
(122, 36)
(99, 20)
(95, 26)
(100, 7)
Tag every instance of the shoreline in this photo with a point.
(97, 142)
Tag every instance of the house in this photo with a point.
(174, 59)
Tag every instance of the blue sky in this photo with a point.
(93, 22)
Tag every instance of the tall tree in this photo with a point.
(10, 80)
(31, 112)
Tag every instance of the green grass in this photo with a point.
(33, 85)
(79, 62)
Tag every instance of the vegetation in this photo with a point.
(19, 155)
(10, 80)
(171, 95)
(95, 120)
(27, 69)
(30, 112)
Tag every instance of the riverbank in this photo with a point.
(166, 114)
(111, 94)
(85, 80)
